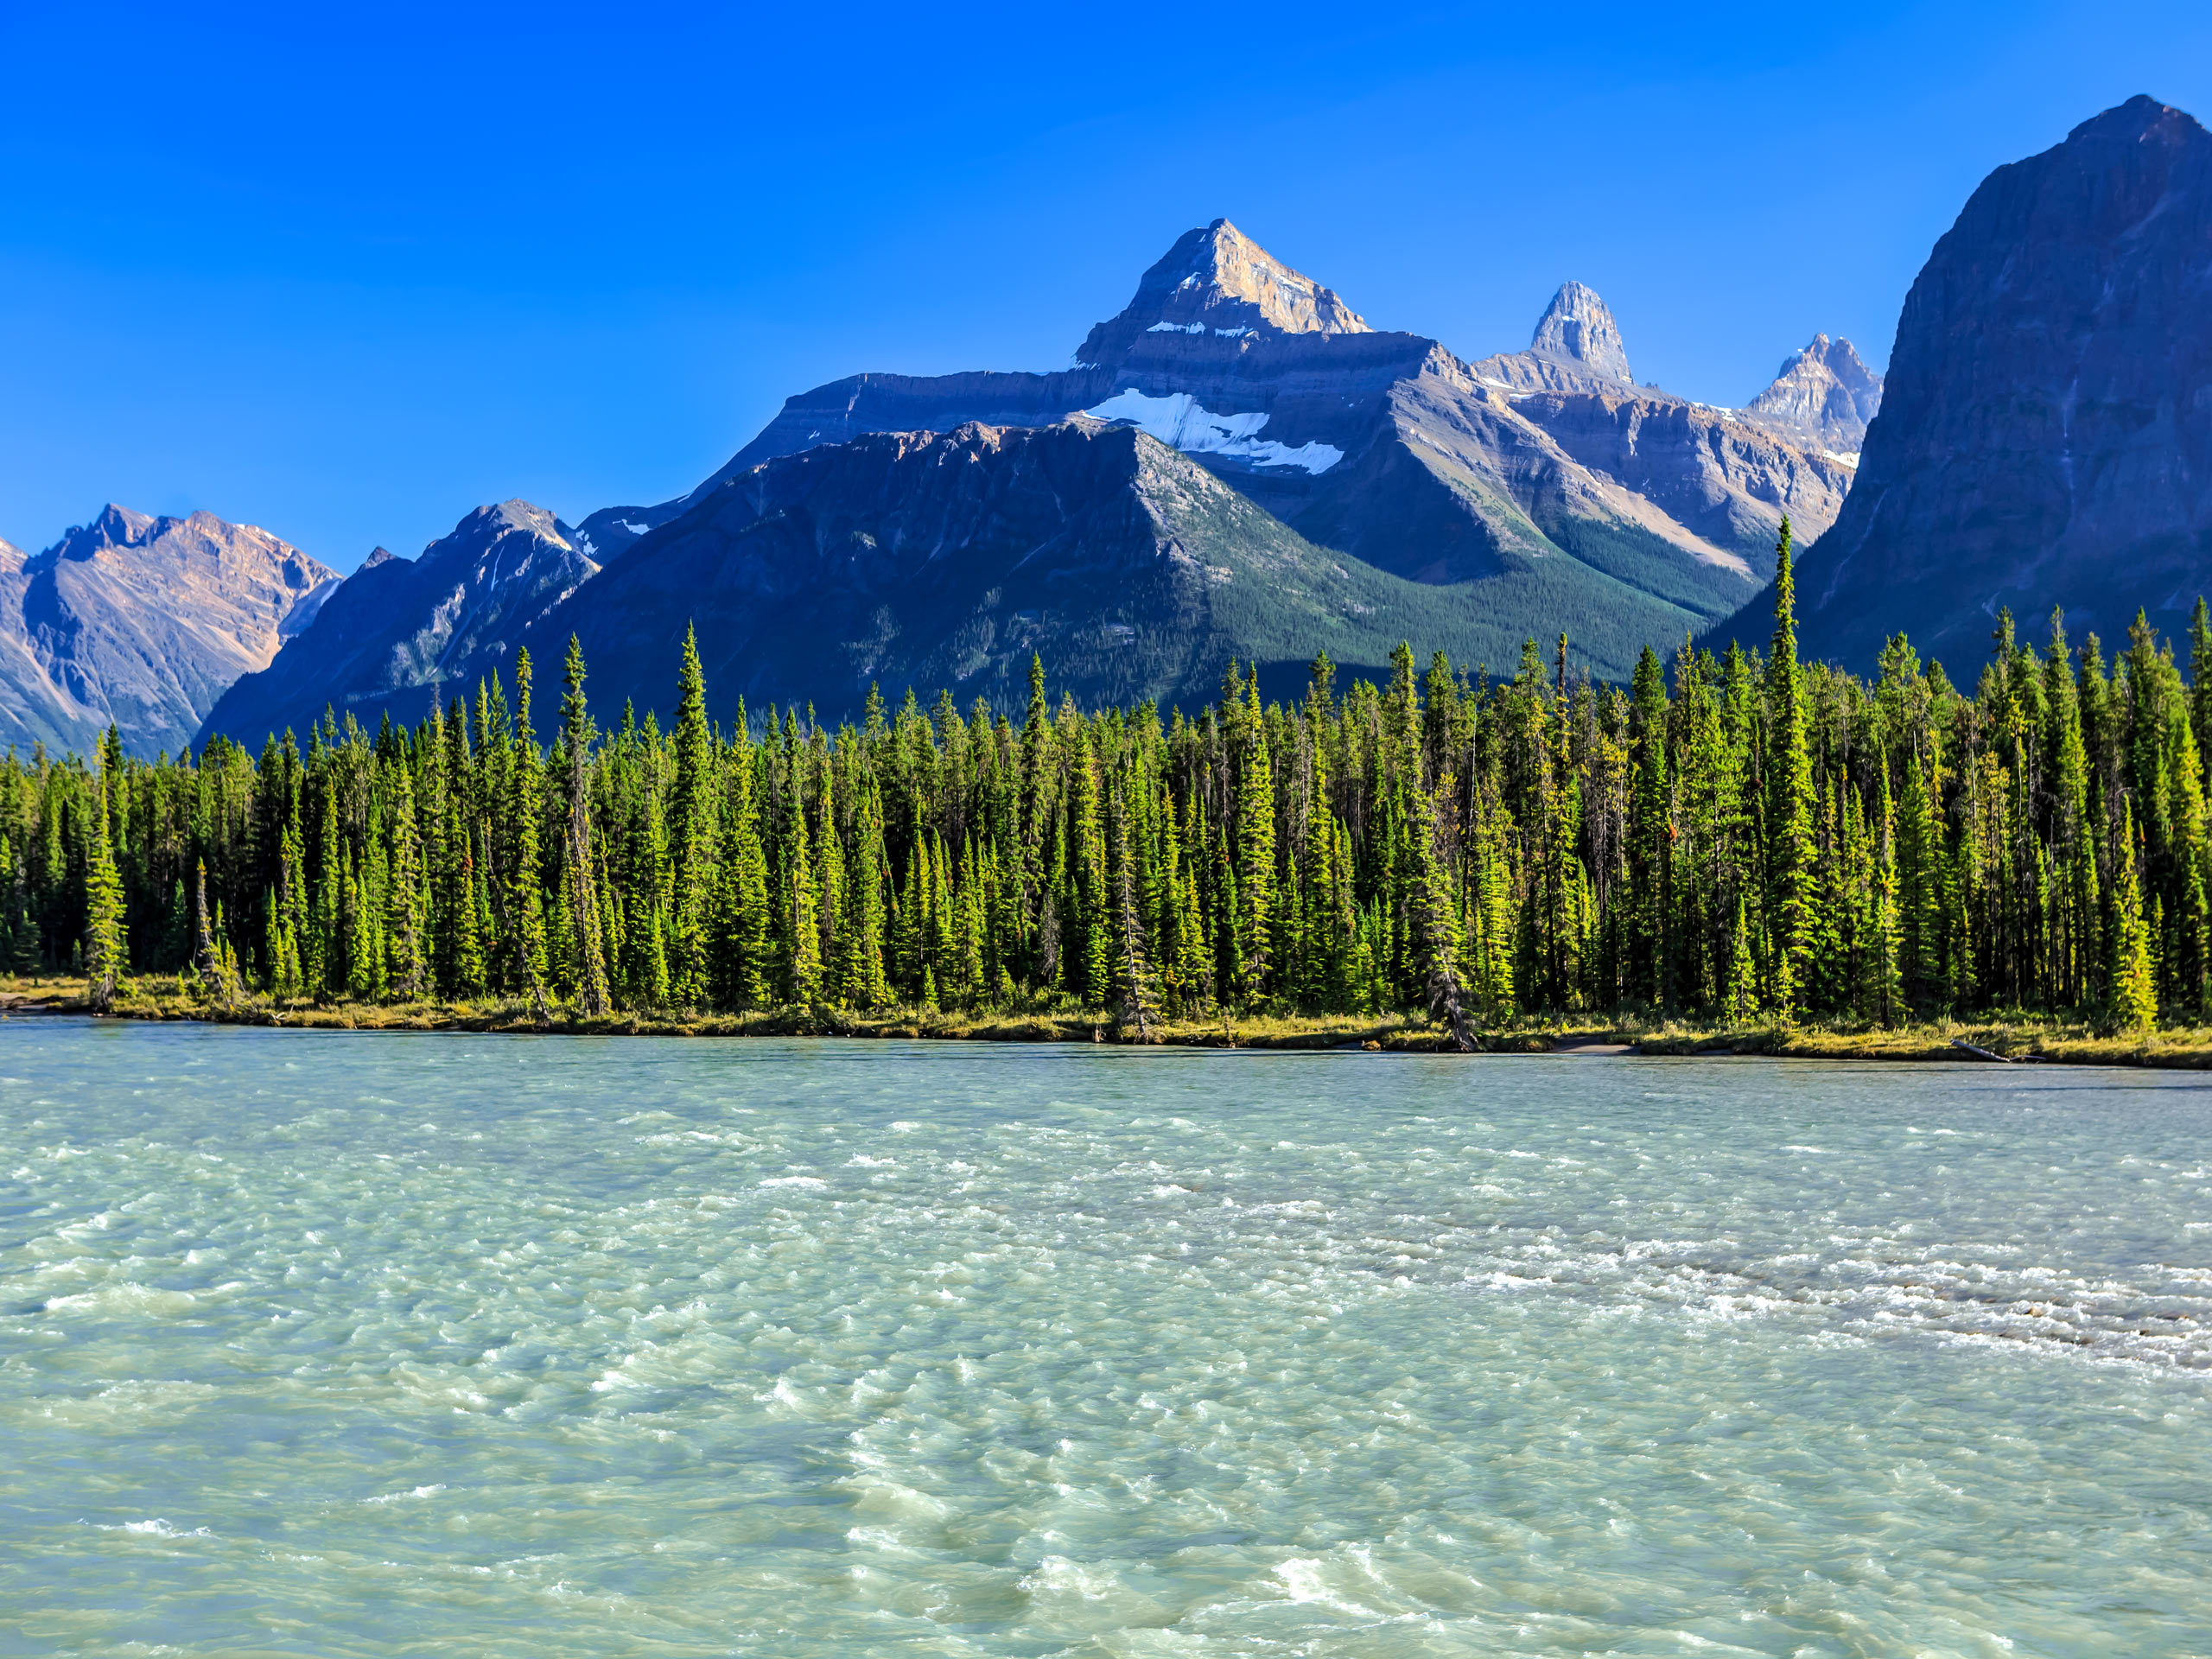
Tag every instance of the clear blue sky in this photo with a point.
(347, 275)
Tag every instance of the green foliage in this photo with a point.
(1736, 838)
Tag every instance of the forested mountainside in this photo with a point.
(906, 559)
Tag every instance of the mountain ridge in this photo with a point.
(140, 621)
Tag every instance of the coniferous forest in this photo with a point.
(1733, 838)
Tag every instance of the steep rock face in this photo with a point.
(142, 622)
(1728, 481)
(34, 707)
(1824, 395)
(1705, 479)
(1576, 347)
(2045, 432)
(1577, 331)
(395, 633)
(928, 560)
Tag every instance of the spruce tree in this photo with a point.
(1650, 840)
(802, 907)
(691, 828)
(402, 925)
(588, 957)
(1436, 926)
(105, 944)
(1137, 998)
(1255, 852)
(1791, 875)
(2133, 1000)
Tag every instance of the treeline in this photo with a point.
(1739, 837)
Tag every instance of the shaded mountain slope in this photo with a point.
(929, 560)
(2045, 432)
(399, 633)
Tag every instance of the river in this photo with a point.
(337, 1342)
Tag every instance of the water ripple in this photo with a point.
(360, 1343)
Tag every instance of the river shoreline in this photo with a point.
(2023, 1041)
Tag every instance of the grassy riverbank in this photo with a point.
(2021, 1038)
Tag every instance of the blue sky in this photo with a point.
(347, 275)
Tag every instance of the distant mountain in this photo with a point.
(397, 635)
(2046, 435)
(1824, 395)
(1520, 496)
(1718, 474)
(1386, 446)
(140, 623)
(1577, 347)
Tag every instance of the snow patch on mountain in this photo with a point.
(1178, 420)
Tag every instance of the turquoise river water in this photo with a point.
(324, 1343)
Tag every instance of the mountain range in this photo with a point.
(1238, 464)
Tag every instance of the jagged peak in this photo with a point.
(1823, 366)
(1217, 281)
(495, 519)
(114, 525)
(120, 529)
(1577, 327)
(380, 555)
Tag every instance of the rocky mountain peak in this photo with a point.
(1218, 282)
(1825, 394)
(115, 526)
(1578, 328)
(140, 621)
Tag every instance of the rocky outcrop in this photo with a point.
(140, 623)
(2045, 432)
(1823, 395)
(1579, 330)
(397, 635)
(35, 707)
(1727, 480)
(1707, 481)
